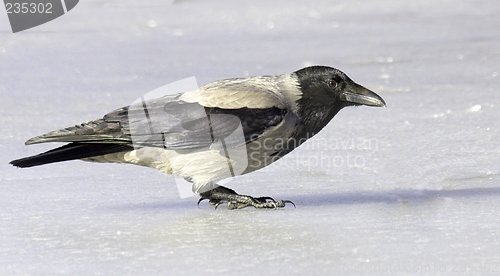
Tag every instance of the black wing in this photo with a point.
(167, 122)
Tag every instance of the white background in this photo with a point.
(407, 190)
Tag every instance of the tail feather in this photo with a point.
(91, 132)
(69, 152)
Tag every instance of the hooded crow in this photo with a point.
(225, 128)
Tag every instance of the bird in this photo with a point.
(225, 128)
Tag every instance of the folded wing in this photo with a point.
(172, 122)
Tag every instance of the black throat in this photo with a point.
(314, 118)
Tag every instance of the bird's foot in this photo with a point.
(234, 200)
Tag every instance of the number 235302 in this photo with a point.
(28, 7)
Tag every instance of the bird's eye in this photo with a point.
(332, 83)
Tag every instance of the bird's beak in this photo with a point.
(358, 95)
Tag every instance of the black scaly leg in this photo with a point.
(234, 200)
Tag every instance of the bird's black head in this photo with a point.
(326, 86)
(326, 90)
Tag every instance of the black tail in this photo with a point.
(69, 152)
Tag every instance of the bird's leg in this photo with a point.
(221, 194)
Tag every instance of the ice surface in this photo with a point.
(410, 189)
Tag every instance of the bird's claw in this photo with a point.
(288, 201)
(220, 195)
(200, 200)
(214, 202)
(246, 201)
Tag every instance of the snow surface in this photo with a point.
(407, 190)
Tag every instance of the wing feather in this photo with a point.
(191, 120)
